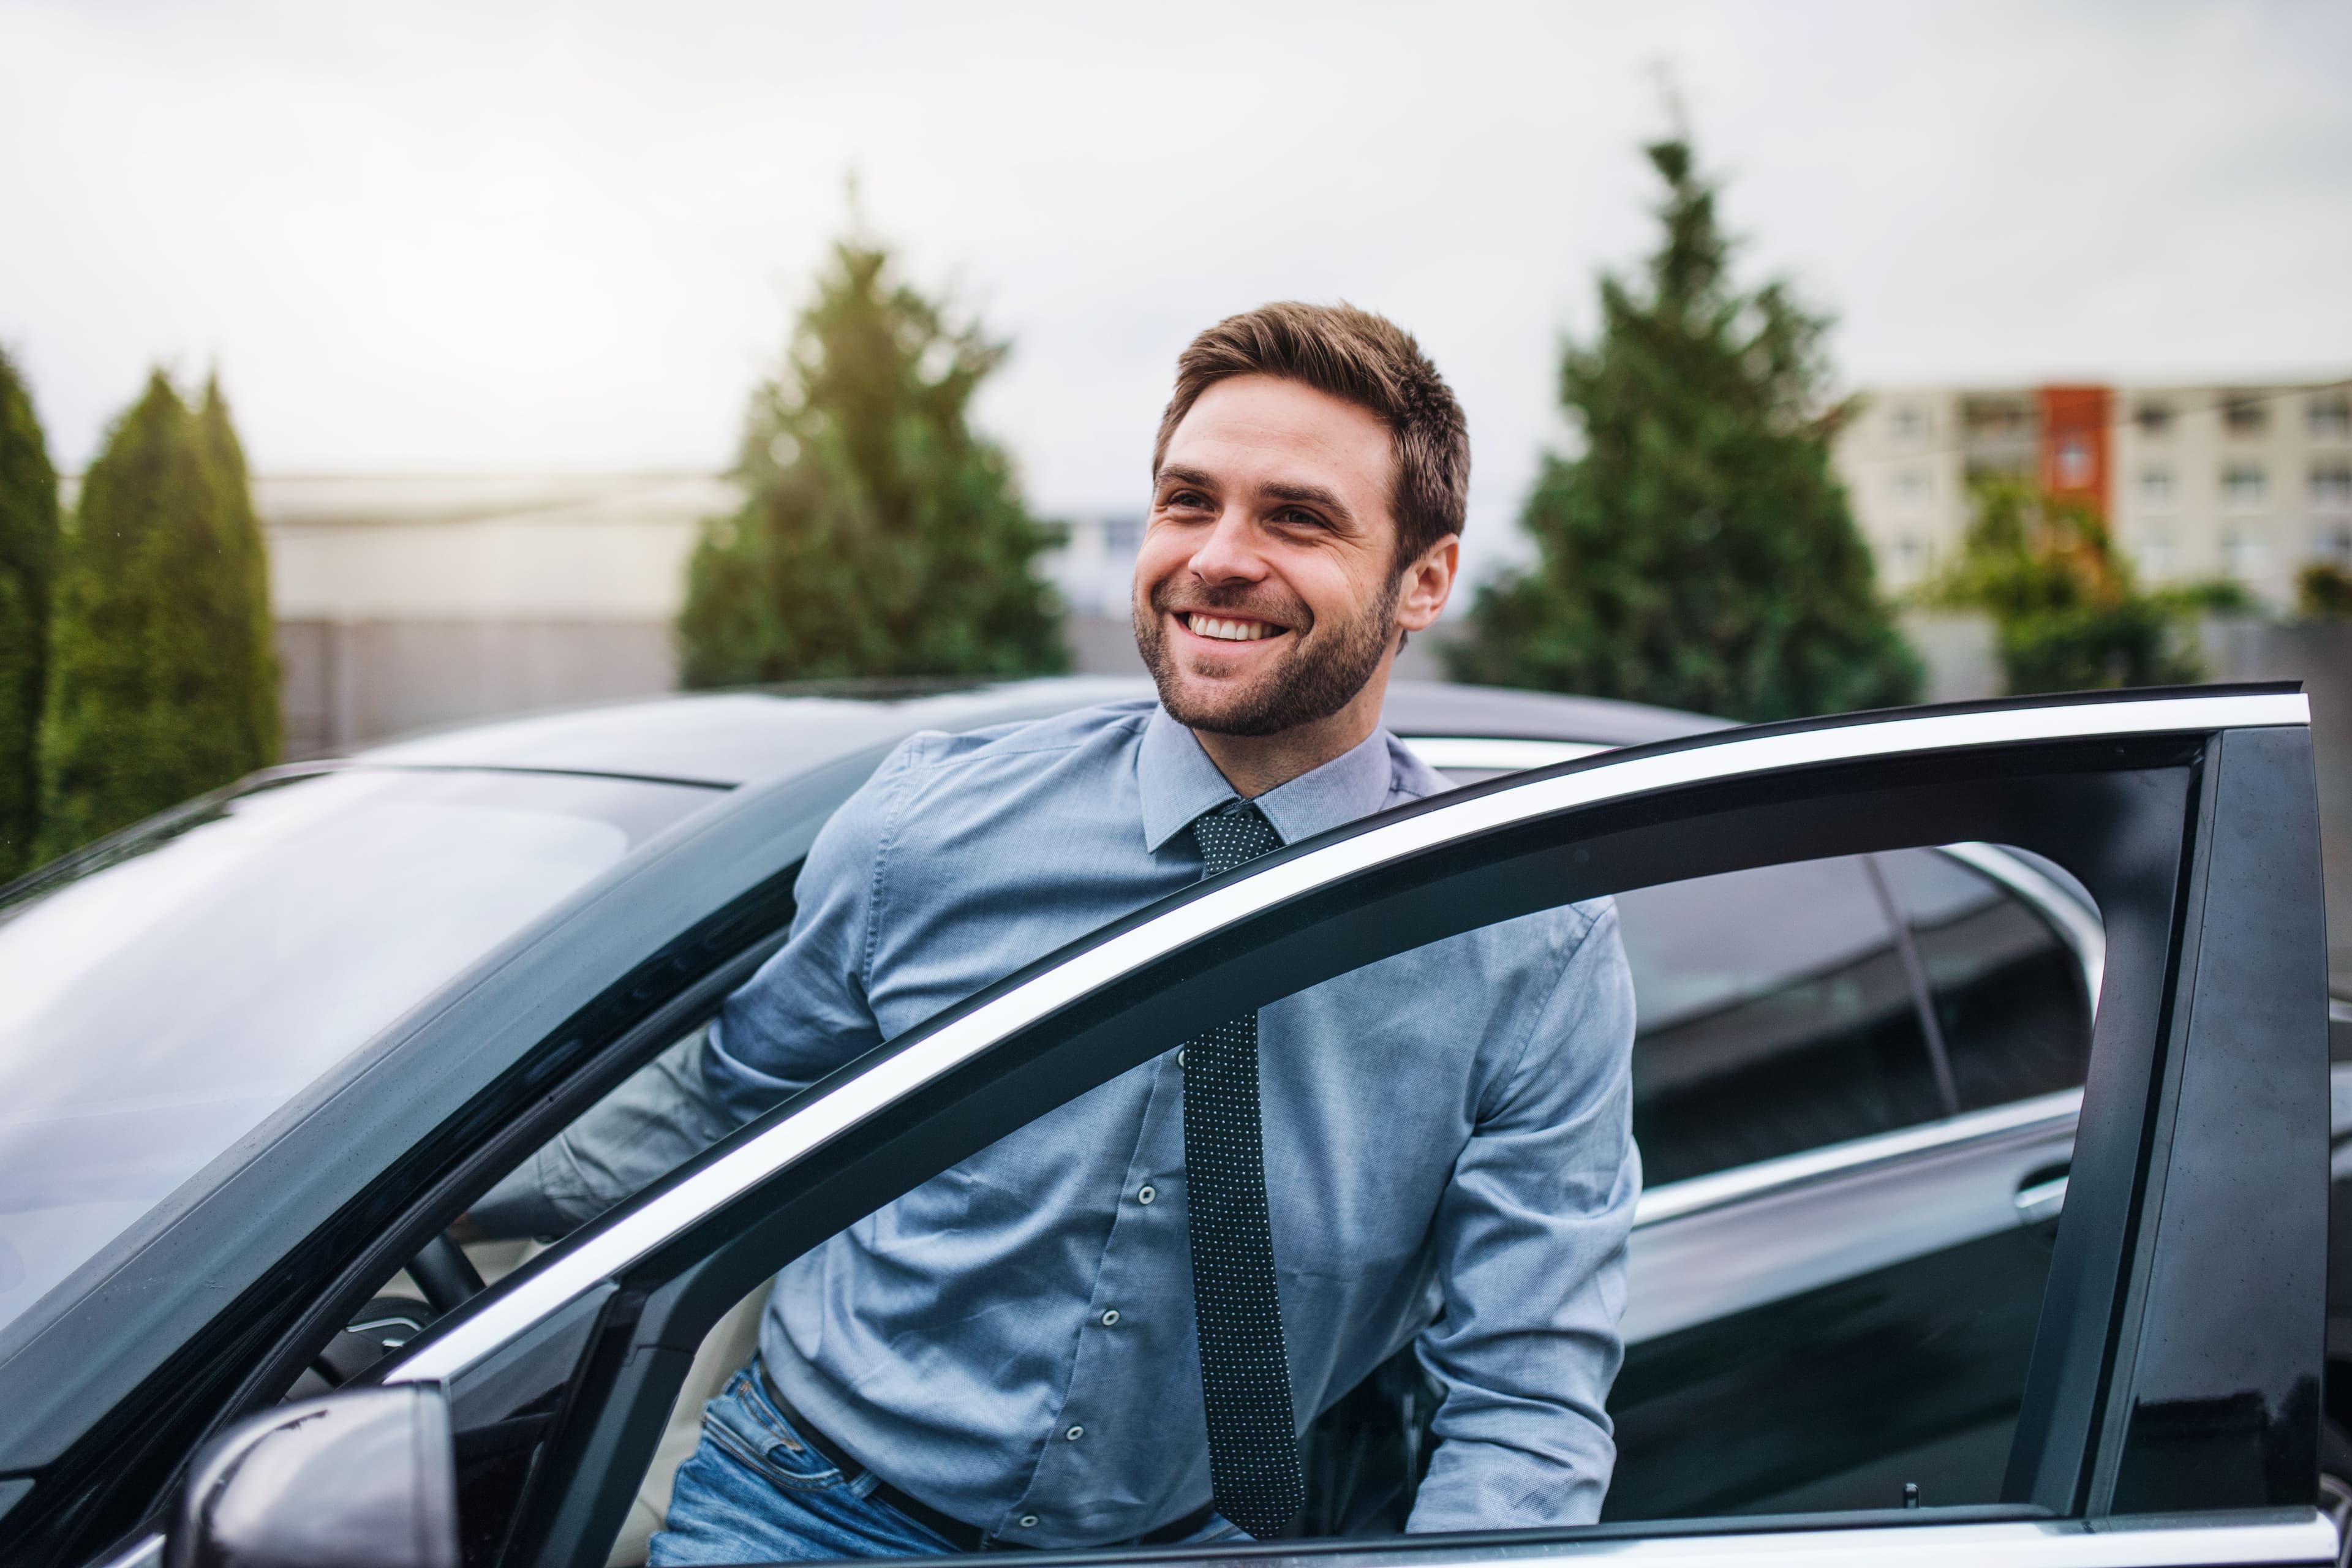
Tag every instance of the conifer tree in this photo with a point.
(880, 535)
(28, 553)
(1698, 553)
(161, 683)
(239, 624)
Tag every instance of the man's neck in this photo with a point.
(1253, 764)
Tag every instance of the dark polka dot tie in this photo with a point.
(1245, 1376)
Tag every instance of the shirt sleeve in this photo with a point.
(1531, 1265)
(801, 1017)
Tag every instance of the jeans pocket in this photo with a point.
(743, 1422)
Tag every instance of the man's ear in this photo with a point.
(1427, 584)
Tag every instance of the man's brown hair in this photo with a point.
(1366, 360)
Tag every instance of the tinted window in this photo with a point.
(162, 1003)
(2008, 991)
(1775, 1017)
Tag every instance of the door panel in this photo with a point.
(1833, 1398)
(1884, 1313)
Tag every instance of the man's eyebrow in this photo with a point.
(1306, 495)
(1310, 495)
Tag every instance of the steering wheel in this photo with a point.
(445, 1274)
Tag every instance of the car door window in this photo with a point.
(1776, 1015)
(2008, 988)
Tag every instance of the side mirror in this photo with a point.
(363, 1479)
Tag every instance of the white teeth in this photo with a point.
(1230, 631)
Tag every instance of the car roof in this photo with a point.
(742, 737)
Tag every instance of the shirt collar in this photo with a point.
(1179, 783)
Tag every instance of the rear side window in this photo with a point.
(1776, 1016)
(2009, 991)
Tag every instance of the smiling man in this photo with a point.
(1113, 1325)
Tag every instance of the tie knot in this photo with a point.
(1235, 833)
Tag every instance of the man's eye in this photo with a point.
(1297, 517)
(1186, 501)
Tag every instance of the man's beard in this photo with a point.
(1321, 674)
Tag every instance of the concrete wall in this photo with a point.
(346, 683)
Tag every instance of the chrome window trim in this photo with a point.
(2082, 931)
(2022, 1543)
(1742, 1184)
(1503, 755)
(639, 1231)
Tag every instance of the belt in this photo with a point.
(956, 1533)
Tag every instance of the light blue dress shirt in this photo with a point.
(1450, 1159)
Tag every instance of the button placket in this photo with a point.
(1084, 1443)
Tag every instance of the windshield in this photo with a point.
(159, 1005)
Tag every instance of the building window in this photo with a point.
(2330, 416)
(2073, 462)
(2244, 484)
(1122, 535)
(1911, 490)
(1910, 557)
(2156, 487)
(2155, 553)
(2245, 553)
(1910, 423)
(2155, 418)
(2331, 486)
(1997, 419)
(2243, 413)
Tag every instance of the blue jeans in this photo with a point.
(755, 1490)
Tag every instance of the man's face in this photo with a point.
(1267, 591)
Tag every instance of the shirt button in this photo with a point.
(1180, 1058)
(1075, 1433)
(1110, 1318)
(1028, 1521)
(1145, 1194)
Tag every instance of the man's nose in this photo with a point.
(1230, 553)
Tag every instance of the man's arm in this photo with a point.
(656, 1120)
(1532, 1237)
(801, 1017)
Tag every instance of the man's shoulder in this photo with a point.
(1031, 743)
(953, 793)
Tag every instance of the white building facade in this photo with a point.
(2248, 482)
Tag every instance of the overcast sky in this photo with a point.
(440, 235)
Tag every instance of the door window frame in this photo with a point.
(2110, 1336)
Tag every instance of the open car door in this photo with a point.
(2171, 1411)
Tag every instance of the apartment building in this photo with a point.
(2247, 481)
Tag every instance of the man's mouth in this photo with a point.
(1227, 630)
